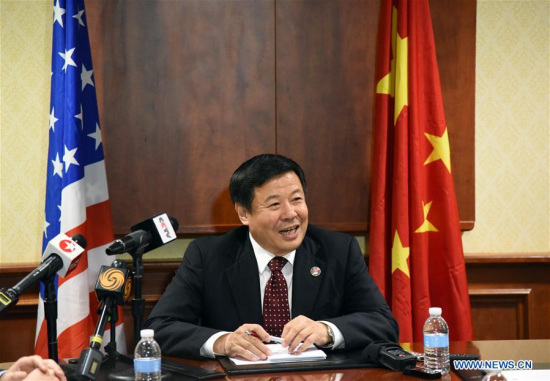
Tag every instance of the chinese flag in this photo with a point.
(416, 254)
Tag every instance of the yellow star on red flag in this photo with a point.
(395, 83)
(426, 226)
(441, 149)
(399, 255)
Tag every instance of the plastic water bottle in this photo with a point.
(147, 359)
(436, 343)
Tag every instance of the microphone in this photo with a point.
(146, 235)
(62, 257)
(113, 287)
(114, 282)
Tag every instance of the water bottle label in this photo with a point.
(436, 341)
(146, 365)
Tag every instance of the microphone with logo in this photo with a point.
(61, 257)
(146, 236)
(113, 288)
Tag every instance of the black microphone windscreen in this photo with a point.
(174, 222)
(80, 240)
(119, 264)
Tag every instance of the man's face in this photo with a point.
(278, 217)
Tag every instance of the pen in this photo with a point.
(275, 339)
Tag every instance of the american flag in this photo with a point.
(77, 199)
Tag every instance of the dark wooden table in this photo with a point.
(536, 350)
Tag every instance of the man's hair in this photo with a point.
(258, 170)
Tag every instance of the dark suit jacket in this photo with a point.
(217, 288)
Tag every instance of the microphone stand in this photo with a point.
(50, 312)
(138, 303)
(110, 295)
(110, 348)
(113, 357)
(91, 358)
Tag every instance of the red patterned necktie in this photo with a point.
(276, 312)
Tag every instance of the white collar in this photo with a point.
(263, 256)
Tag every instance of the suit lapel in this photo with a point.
(306, 286)
(244, 283)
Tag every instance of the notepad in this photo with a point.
(280, 355)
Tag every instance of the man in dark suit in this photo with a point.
(224, 289)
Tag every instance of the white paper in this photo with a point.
(280, 354)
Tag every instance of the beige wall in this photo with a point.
(512, 129)
(26, 40)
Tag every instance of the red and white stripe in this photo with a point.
(85, 210)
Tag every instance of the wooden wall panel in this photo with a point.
(500, 314)
(18, 327)
(189, 89)
(510, 298)
(186, 93)
(325, 88)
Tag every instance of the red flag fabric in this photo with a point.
(416, 254)
(77, 199)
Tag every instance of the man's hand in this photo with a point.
(302, 329)
(240, 343)
(34, 368)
